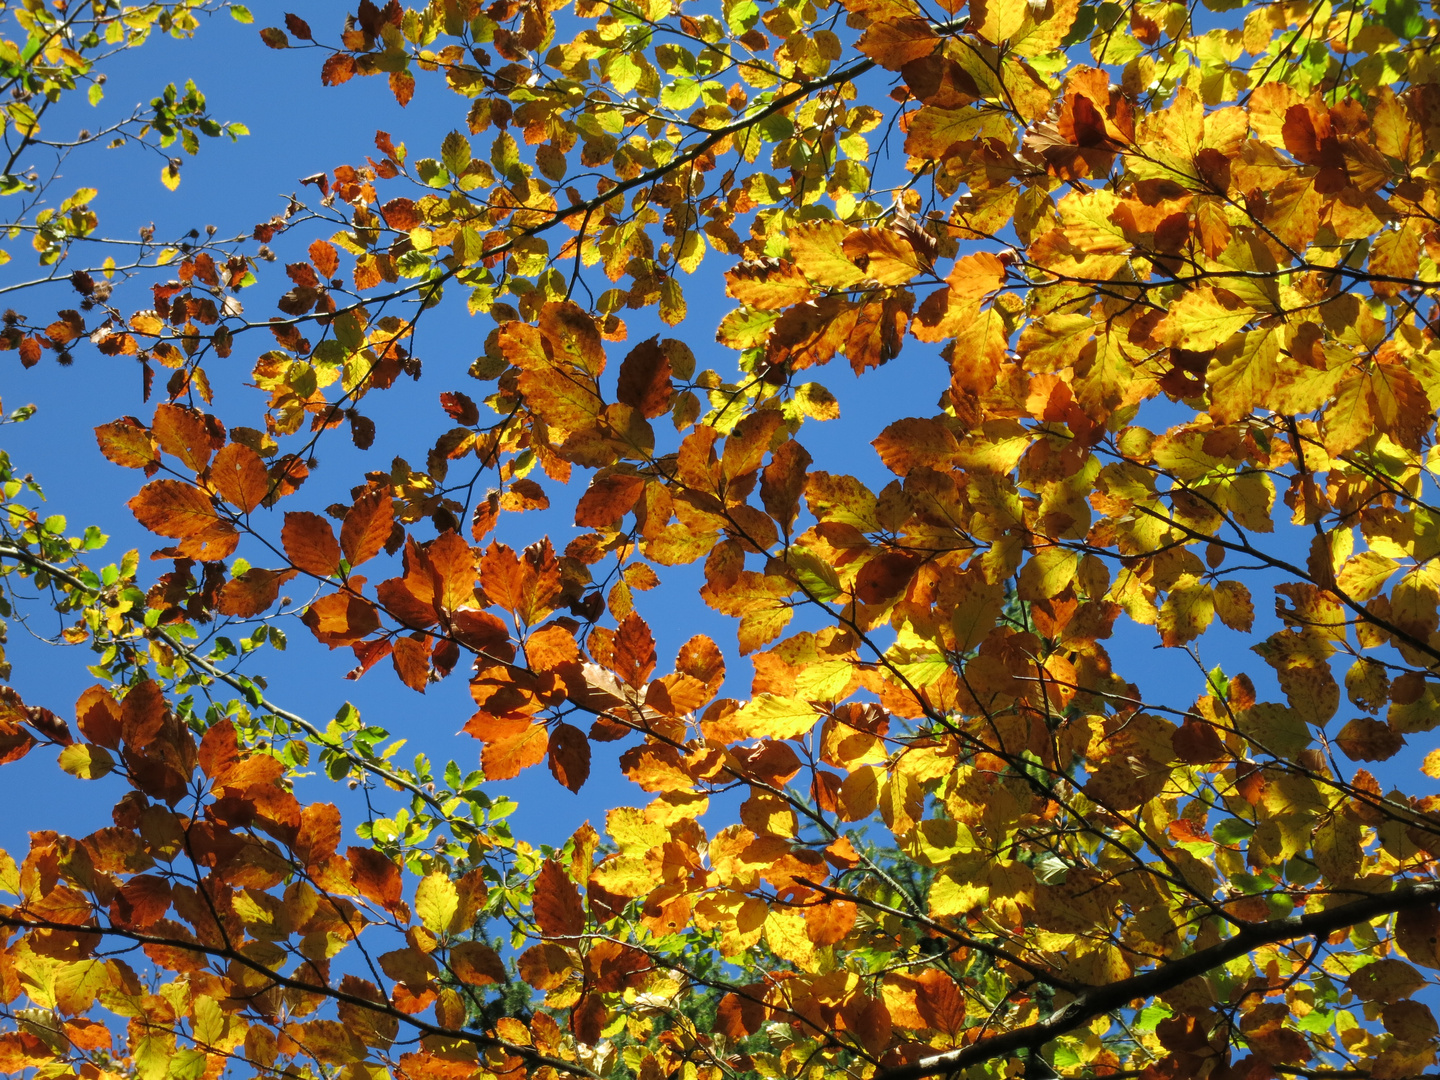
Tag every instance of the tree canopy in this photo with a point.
(1178, 262)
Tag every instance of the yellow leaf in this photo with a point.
(1047, 573)
(436, 902)
(1202, 319)
(1431, 765)
(771, 716)
(86, 761)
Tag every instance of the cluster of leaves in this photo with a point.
(57, 57)
(1172, 272)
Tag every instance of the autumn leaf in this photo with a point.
(310, 543)
(176, 509)
(366, 527)
(127, 442)
(240, 476)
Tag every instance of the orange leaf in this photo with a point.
(325, 258)
(251, 593)
(830, 922)
(142, 714)
(367, 526)
(402, 85)
(183, 432)
(545, 966)
(609, 498)
(893, 43)
(338, 68)
(341, 618)
(175, 509)
(634, 656)
(476, 964)
(98, 716)
(310, 543)
(127, 442)
(529, 587)
(239, 475)
(504, 758)
(783, 481)
(453, 563)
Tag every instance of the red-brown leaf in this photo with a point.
(569, 756)
(338, 68)
(376, 877)
(558, 909)
(412, 663)
(460, 408)
(645, 379)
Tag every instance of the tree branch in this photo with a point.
(1101, 1000)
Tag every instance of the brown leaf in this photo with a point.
(645, 379)
(1197, 742)
(569, 756)
(376, 877)
(1366, 739)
